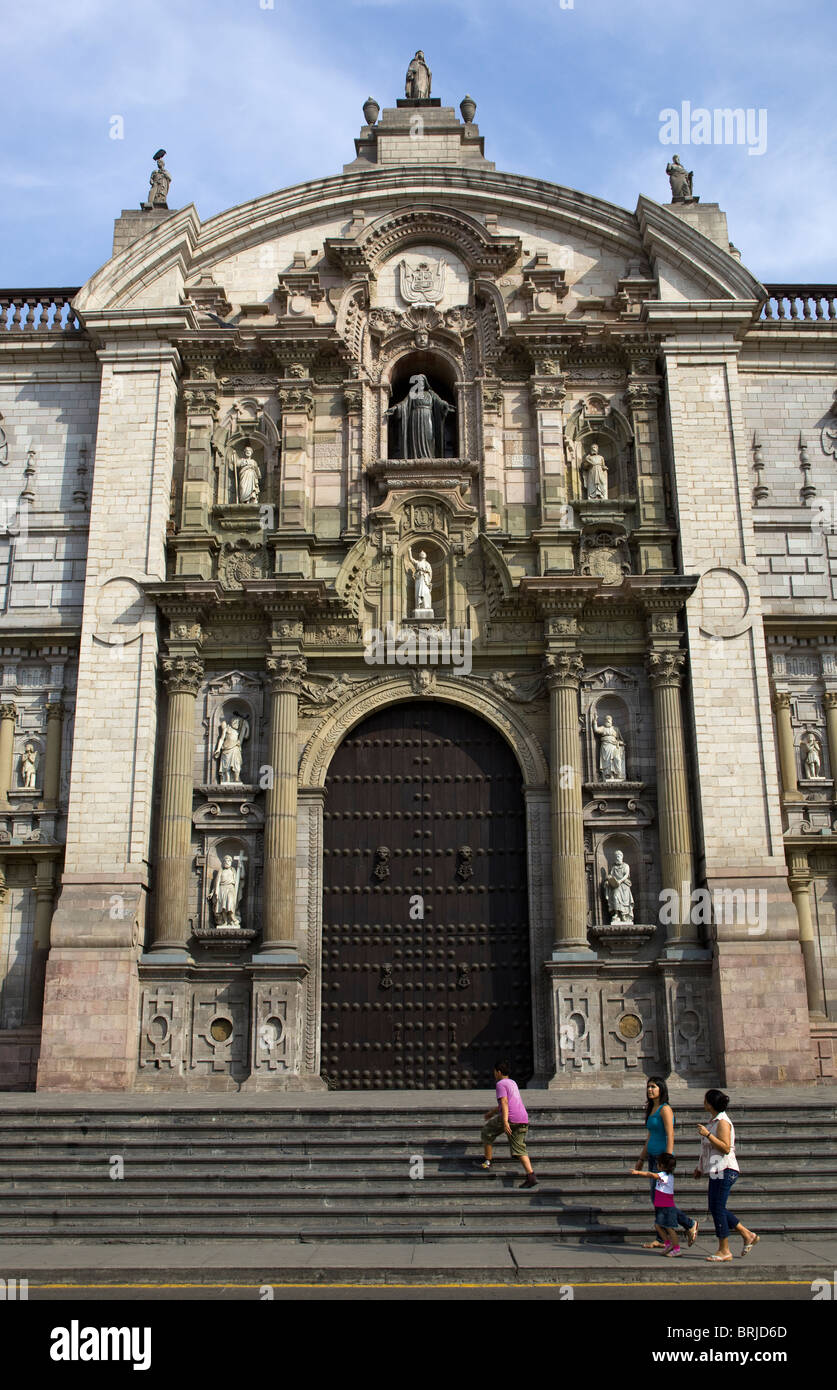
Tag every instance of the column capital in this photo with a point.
(563, 670)
(55, 710)
(8, 710)
(665, 667)
(782, 699)
(296, 400)
(799, 870)
(643, 395)
(548, 394)
(200, 397)
(353, 396)
(285, 674)
(829, 699)
(181, 675)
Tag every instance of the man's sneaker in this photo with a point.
(529, 1181)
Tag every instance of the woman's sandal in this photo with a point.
(748, 1245)
(717, 1259)
(654, 1245)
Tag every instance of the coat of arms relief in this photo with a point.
(423, 282)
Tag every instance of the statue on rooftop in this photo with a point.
(681, 182)
(419, 78)
(158, 191)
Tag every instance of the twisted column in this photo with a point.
(799, 882)
(569, 881)
(182, 677)
(285, 674)
(665, 673)
(787, 750)
(8, 715)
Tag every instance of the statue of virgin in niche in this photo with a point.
(421, 419)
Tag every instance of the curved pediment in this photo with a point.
(248, 249)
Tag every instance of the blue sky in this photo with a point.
(248, 98)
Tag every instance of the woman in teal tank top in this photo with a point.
(659, 1123)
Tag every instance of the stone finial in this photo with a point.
(468, 107)
(371, 110)
(159, 183)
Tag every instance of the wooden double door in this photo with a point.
(425, 967)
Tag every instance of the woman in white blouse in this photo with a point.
(719, 1164)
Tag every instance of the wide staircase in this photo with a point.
(315, 1173)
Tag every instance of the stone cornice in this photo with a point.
(554, 594)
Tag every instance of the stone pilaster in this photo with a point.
(799, 882)
(195, 544)
(353, 401)
(569, 880)
(665, 673)
(643, 397)
(297, 404)
(44, 891)
(52, 758)
(548, 393)
(285, 673)
(787, 751)
(8, 716)
(182, 676)
(830, 702)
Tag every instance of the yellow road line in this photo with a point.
(576, 1284)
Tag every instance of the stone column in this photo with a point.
(830, 702)
(52, 758)
(787, 750)
(8, 715)
(665, 672)
(568, 875)
(799, 882)
(182, 677)
(44, 891)
(278, 926)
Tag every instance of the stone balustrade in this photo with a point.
(800, 304)
(38, 311)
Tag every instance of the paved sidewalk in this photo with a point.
(268, 1262)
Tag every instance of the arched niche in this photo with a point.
(218, 848)
(441, 377)
(620, 712)
(605, 857)
(596, 421)
(246, 425)
(441, 562)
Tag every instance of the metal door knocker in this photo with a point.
(464, 867)
(382, 858)
(464, 979)
(385, 981)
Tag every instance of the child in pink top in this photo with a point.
(510, 1117)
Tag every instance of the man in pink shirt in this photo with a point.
(509, 1117)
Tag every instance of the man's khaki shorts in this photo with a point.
(493, 1128)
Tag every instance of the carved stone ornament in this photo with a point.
(666, 668)
(606, 556)
(642, 395)
(423, 682)
(563, 669)
(335, 688)
(423, 282)
(285, 674)
(828, 434)
(520, 689)
(181, 675)
(239, 561)
(296, 400)
(548, 395)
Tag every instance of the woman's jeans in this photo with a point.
(681, 1218)
(719, 1190)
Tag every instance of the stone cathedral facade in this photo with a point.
(419, 642)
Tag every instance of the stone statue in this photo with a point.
(226, 891)
(620, 899)
(248, 477)
(594, 474)
(419, 78)
(611, 752)
(421, 418)
(811, 754)
(159, 185)
(422, 573)
(28, 766)
(681, 182)
(228, 749)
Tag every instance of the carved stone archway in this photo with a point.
(316, 757)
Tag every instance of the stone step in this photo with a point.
(236, 1177)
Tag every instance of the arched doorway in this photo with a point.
(425, 938)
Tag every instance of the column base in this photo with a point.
(568, 954)
(300, 1081)
(673, 950)
(278, 955)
